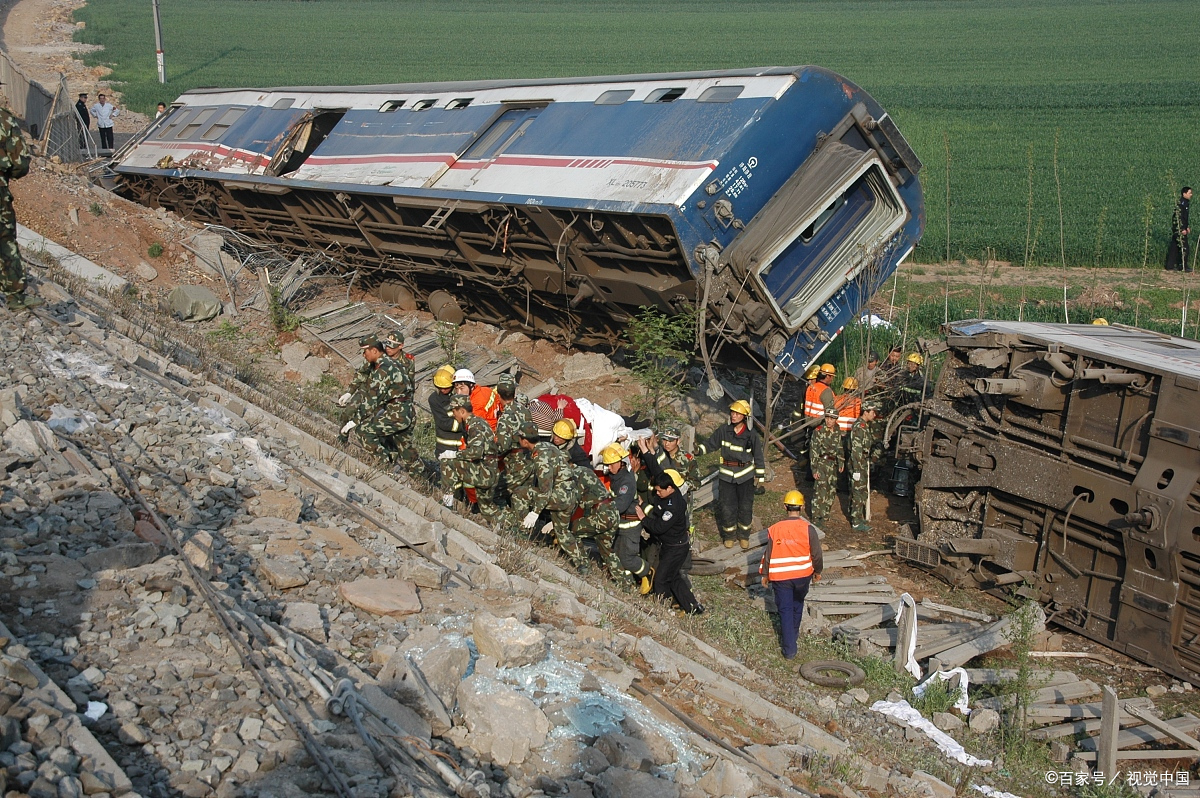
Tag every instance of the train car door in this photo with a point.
(505, 131)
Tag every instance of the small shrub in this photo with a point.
(96, 209)
(227, 331)
(155, 250)
(938, 697)
(282, 319)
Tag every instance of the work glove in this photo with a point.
(344, 399)
(449, 454)
(760, 489)
(349, 426)
(530, 520)
(856, 476)
(447, 499)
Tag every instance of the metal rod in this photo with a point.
(158, 46)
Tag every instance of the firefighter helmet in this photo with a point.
(612, 453)
(915, 358)
(740, 406)
(444, 377)
(849, 384)
(565, 429)
(828, 368)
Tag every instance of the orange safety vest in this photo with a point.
(791, 557)
(849, 409)
(487, 404)
(813, 406)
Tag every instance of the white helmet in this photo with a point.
(464, 375)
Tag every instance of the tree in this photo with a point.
(660, 351)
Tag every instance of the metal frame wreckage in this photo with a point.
(772, 201)
(1060, 463)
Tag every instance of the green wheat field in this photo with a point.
(1025, 107)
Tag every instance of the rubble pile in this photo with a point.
(511, 680)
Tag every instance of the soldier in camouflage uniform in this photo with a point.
(520, 474)
(355, 390)
(599, 520)
(476, 465)
(385, 414)
(14, 164)
(513, 416)
(402, 441)
(861, 445)
(555, 489)
(827, 458)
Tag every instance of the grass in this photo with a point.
(984, 86)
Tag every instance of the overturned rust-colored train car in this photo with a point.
(1060, 462)
(773, 200)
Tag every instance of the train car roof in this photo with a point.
(1133, 347)
(480, 85)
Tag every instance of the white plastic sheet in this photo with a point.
(992, 792)
(607, 426)
(902, 710)
(907, 605)
(944, 676)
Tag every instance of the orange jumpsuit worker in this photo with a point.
(792, 562)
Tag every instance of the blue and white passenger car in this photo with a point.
(774, 200)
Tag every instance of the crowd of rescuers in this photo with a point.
(563, 469)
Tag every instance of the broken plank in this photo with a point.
(1040, 678)
(859, 598)
(853, 609)
(975, 616)
(1090, 756)
(1175, 734)
(1058, 694)
(848, 581)
(871, 589)
(868, 619)
(927, 633)
(1053, 712)
(1140, 735)
(995, 637)
(933, 648)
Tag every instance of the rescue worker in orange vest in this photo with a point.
(485, 402)
(791, 563)
(849, 405)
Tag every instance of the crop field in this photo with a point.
(1024, 113)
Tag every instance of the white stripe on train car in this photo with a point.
(755, 87)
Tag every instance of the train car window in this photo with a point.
(664, 95)
(423, 105)
(461, 102)
(511, 125)
(821, 220)
(720, 94)
(390, 106)
(191, 128)
(181, 118)
(284, 104)
(614, 97)
(218, 128)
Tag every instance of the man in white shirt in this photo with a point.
(104, 112)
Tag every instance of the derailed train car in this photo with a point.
(775, 201)
(1060, 462)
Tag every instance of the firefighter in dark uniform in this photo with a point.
(666, 521)
(447, 432)
(742, 466)
(623, 485)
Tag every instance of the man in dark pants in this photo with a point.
(667, 522)
(742, 465)
(83, 119)
(623, 485)
(791, 563)
(1178, 246)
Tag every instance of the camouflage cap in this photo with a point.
(831, 413)
(530, 432)
(506, 379)
(669, 434)
(870, 404)
(370, 342)
(463, 402)
(394, 339)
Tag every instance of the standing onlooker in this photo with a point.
(105, 112)
(793, 561)
(867, 373)
(1178, 246)
(14, 163)
(83, 118)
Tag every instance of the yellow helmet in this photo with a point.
(613, 453)
(740, 406)
(915, 358)
(1102, 322)
(812, 371)
(828, 368)
(565, 429)
(444, 377)
(793, 498)
(675, 476)
(849, 384)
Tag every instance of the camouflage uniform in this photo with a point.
(477, 466)
(357, 389)
(556, 489)
(508, 427)
(385, 415)
(827, 457)
(861, 445)
(600, 518)
(14, 164)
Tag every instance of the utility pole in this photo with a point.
(158, 50)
